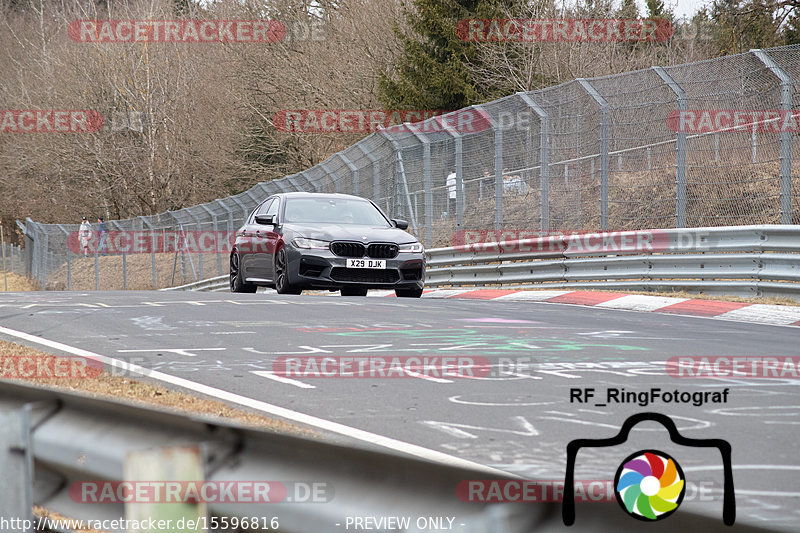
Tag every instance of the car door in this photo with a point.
(269, 239)
(254, 244)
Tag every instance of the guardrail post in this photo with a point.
(16, 464)
(353, 171)
(785, 134)
(185, 463)
(680, 150)
(544, 160)
(605, 126)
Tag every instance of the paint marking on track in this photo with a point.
(275, 410)
(281, 379)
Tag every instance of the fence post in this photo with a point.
(199, 274)
(353, 171)
(215, 227)
(459, 169)
(331, 175)
(785, 134)
(427, 183)
(498, 167)
(376, 174)
(69, 263)
(605, 126)
(401, 171)
(544, 160)
(152, 249)
(680, 150)
(245, 211)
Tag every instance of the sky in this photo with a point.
(681, 8)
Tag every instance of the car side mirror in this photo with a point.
(400, 224)
(265, 219)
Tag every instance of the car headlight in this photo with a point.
(413, 247)
(310, 244)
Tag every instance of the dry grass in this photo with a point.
(139, 271)
(106, 386)
(11, 282)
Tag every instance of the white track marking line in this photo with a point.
(281, 379)
(302, 418)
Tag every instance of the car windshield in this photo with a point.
(333, 211)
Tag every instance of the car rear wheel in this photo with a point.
(282, 285)
(413, 292)
(237, 285)
(353, 291)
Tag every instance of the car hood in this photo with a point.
(348, 232)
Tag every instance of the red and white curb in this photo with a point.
(778, 315)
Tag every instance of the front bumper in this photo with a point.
(322, 269)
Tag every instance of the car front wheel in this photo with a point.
(237, 285)
(282, 285)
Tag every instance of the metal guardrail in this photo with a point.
(53, 440)
(737, 260)
(217, 284)
(759, 260)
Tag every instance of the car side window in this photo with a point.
(272, 209)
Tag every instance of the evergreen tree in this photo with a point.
(437, 69)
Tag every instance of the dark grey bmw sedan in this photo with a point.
(295, 241)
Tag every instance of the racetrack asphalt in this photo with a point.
(518, 419)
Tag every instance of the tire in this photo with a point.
(237, 285)
(281, 275)
(411, 292)
(353, 291)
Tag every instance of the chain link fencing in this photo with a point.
(682, 146)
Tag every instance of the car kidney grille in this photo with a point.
(382, 251)
(348, 249)
(364, 275)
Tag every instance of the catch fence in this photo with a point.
(694, 145)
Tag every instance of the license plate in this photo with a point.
(366, 263)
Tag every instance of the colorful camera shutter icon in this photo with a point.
(649, 485)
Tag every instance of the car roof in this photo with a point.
(318, 195)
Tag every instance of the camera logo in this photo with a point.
(649, 485)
